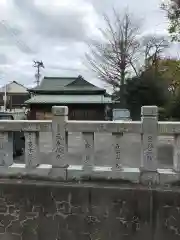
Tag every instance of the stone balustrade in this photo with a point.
(149, 128)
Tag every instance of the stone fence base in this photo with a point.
(53, 211)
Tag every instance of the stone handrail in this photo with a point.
(149, 128)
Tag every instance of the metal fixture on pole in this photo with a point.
(38, 65)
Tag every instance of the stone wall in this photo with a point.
(54, 211)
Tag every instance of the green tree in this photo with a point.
(172, 8)
(165, 75)
(146, 89)
(169, 69)
(173, 107)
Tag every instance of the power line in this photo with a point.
(13, 33)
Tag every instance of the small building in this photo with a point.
(84, 100)
(16, 94)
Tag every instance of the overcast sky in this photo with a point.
(55, 31)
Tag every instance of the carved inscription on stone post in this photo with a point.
(116, 150)
(60, 116)
(32, 157)
(149, 151)
(88, 156)
(118, 154)
(150, 147)
(60, 146)
(149, 138)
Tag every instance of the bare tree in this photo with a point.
(154, 46)
(115, 56)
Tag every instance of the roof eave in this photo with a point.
(51, 103)
(65, 90)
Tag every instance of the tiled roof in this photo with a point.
(62, 83)
(60, 99)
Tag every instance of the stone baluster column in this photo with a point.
(149, 138)
(6, 149)
(88, 154)
(59, 135)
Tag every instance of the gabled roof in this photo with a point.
(14, 87)
(51, 84)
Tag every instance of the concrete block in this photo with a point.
(60, 110)
(168, 176)
(149, 178)
(149, 111)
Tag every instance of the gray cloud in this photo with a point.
(4, 59)
(68, 25)
(149, 13)
(56, 34)
(6, 33)
(13, 35)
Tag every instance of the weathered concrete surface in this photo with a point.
(166, 206)
(95, 211)
(130, 150)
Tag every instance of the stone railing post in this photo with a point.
(176, 155)
(32, 149)
(6, 149)
(60, 116)
(149, 138)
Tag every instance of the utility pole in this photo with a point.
(38, 65)
(5, 98)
